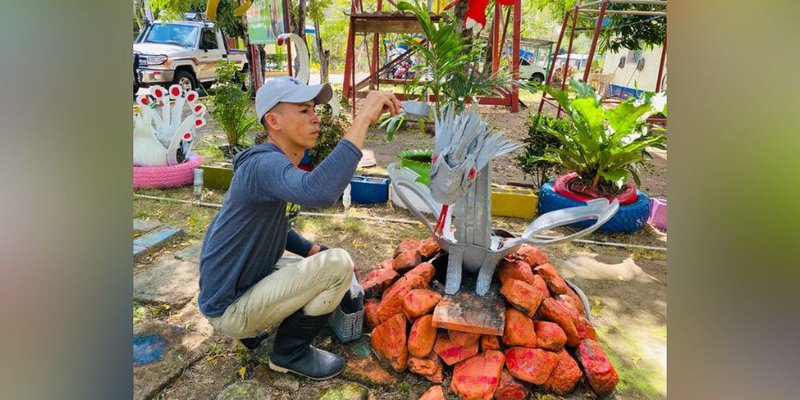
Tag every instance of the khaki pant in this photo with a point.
(316, 284)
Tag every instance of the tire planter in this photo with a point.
(561, 186)
(166, 176)
(629, 218)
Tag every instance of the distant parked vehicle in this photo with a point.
(183, 53)
(531, 72)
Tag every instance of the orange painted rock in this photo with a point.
(429, 367)
(371, 312)
(514, 269)
(463, 338)
(540, 285)
(392, 300)
(565, 375)
(424, 270)
(531, 255)
(429, 248)
(434, 393)
(452, 353)
(510, 388)
(554, 281)
(419, 302)
(422, 336)
(490, 342)
(406, 260)
(389, 341)
(519, 330)
(585, 328)
(554, 311)
(377, 280)
(600, 373)
(406, 245)
(387, 263)
(549, 336)
(476, 378)
(530, 365)
(522, 295)
(575, 300)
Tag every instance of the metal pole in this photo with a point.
(553, 61)
(496, 51)
(515, 58)
(596, 35)
(630, 12)
(569, 53)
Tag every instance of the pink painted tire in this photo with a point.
(168, 176)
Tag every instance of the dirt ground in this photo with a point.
(624, 275)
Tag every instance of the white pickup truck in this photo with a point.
(181, 52)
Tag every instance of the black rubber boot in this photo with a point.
(293, 352)
(253, 342)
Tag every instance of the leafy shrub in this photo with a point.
(608, 144)
(536, 145)
(230, 106)
(331, 131)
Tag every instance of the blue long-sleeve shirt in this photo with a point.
(251, 230)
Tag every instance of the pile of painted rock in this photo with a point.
(547, 340)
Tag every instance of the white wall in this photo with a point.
(629, 76)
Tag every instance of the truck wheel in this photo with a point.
(185, 80)
(537, 78)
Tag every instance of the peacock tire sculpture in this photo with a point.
(166, 176)
(629, 218)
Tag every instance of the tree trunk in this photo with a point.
(458, 12)
(324, 55)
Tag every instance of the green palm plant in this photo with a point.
(231, 107)
(607, 144)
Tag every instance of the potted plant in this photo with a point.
(606, 147)
(230, 107)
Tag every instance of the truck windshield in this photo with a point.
(181, 35)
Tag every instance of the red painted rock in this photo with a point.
(554, 281)
(514, 269)
(554, 311)
(540, 285)
(422, 336)
(371, 312)
(519, 329)
(530, 365)
(510, 388)
(406, 260)
(477, 378)
(392, 300)
(600, 373)
(424, 270)
(452, 353)
(531, 255)
(419, 302)
(549, 336)
(463, 338)
(429, 248)
(406, 245)
(429, 367)
(585, 328)
(522, 295)
(565, 375)
(490, 342)
(377, 280)
(434, 393)
(389, 341)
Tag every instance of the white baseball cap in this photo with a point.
(285, 89)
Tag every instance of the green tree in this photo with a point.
(171, 10)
